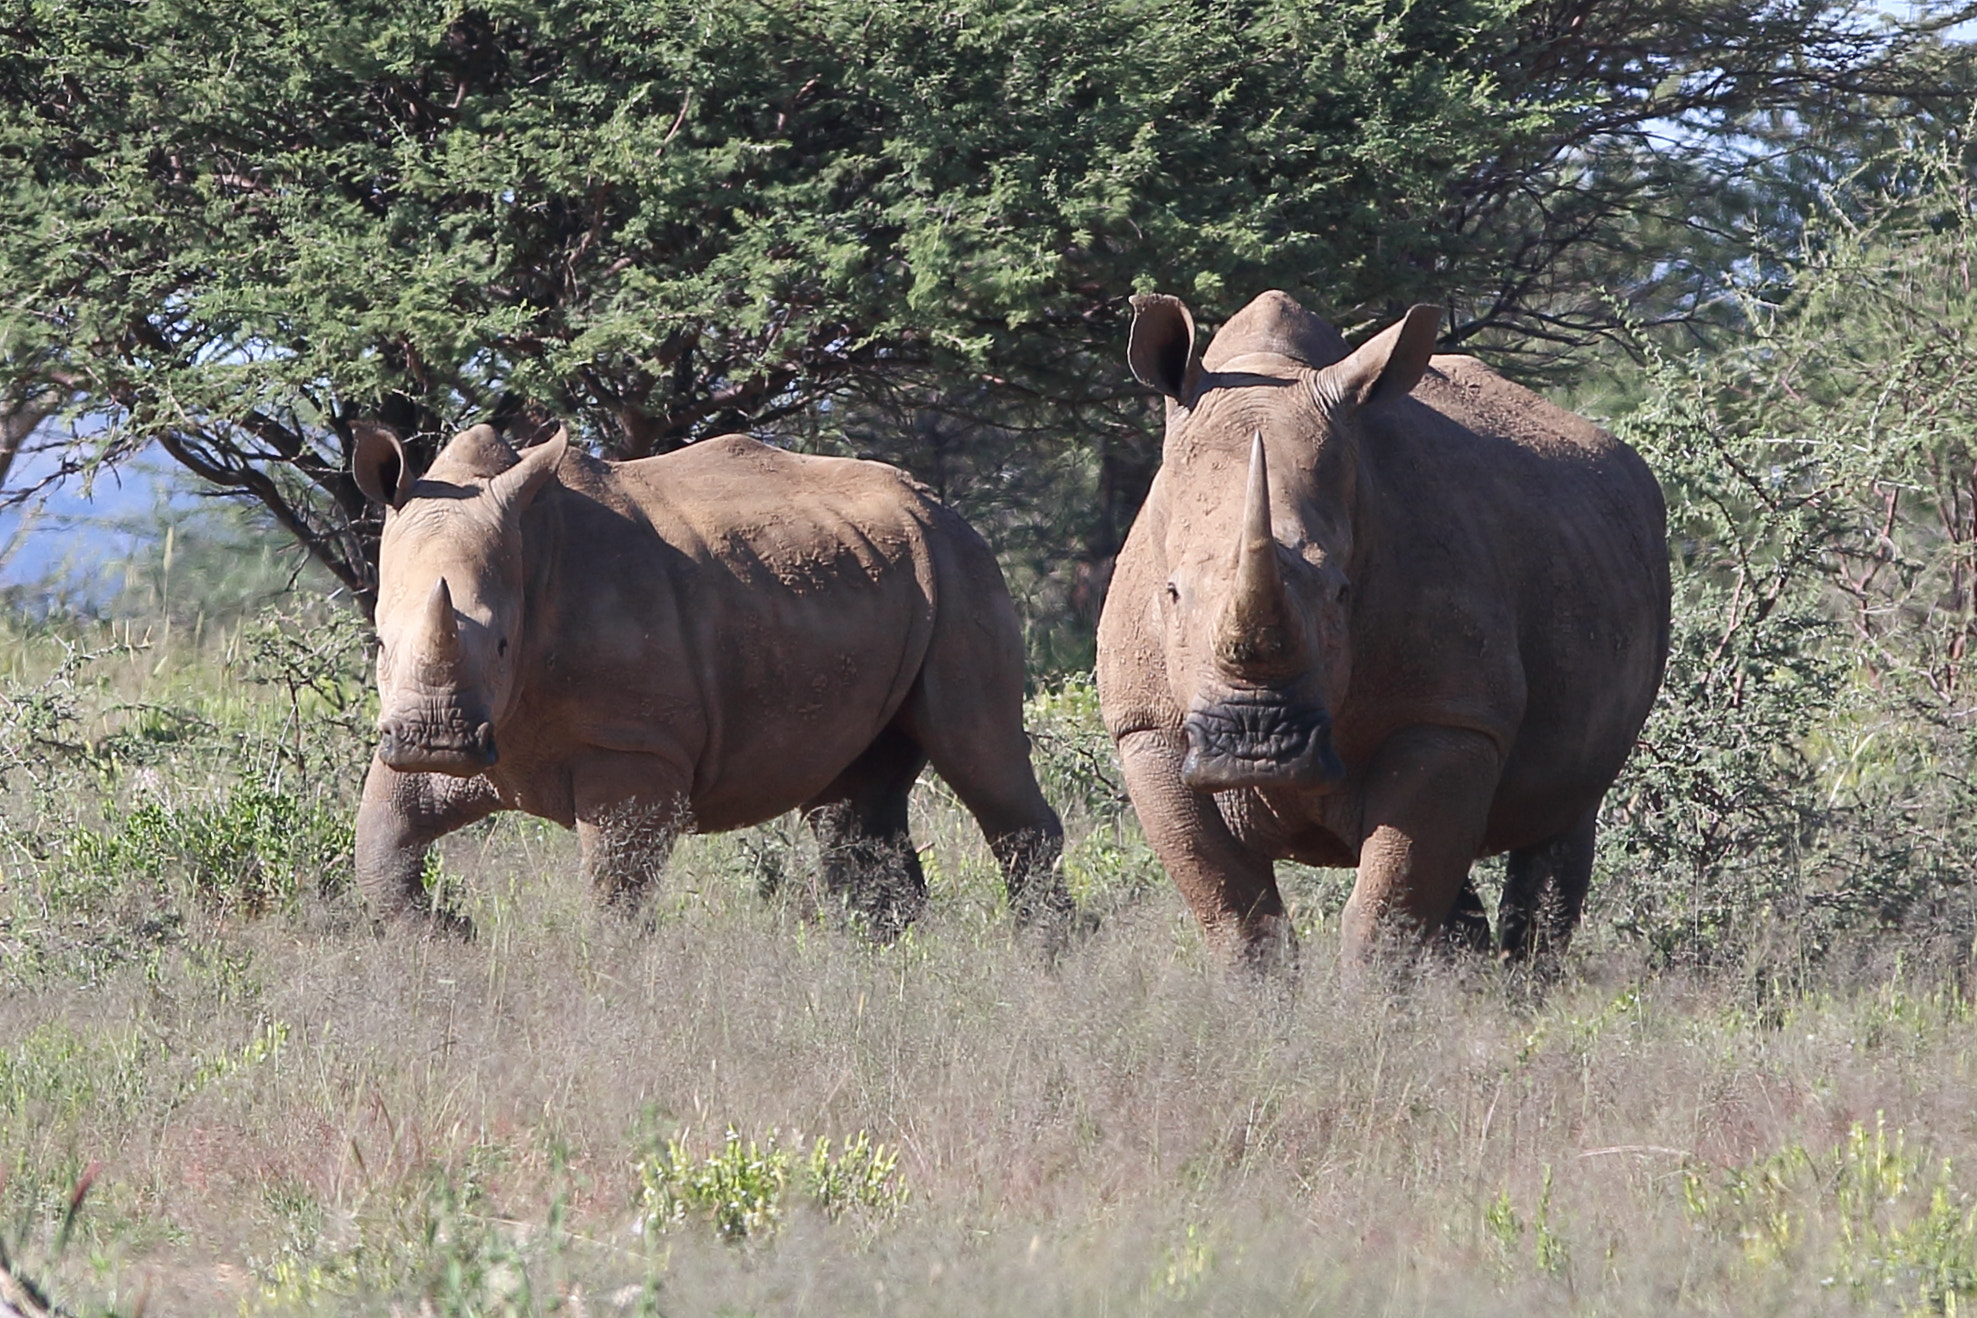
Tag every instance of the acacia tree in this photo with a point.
(235, 226)
(1811, 765)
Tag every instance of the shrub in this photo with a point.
(1073, 755)
(250, 851)
(1809, 765)
(1871, 1215)
(742, 1188)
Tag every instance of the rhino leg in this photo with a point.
(860, 821)
(1026, 837)
(630, 810)
(399, 818)
(987, 762)
(1427, 799)
(1544, 889)
(1231, 888)
(966, 712)
(1467, 928)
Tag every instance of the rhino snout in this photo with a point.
(414, 745)
(1258, 739)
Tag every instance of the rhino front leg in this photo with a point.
(1427, 801)
(630, 810)
(1230, 888)
(401, 815)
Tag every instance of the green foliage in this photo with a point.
(1075, 762)
(442, 1246)
(472, 1263)
(742, 1188)
(1507, 1229)
(239, 224)
(739, 1189)
(60, 1088)
(860, 1177)
(1107, 862)
(314, 653)
(251, 851)
(1186, 1266)
(1711, 813)
(56, 1072)
(1808, 767)
(1870, 1215)
(122, 811)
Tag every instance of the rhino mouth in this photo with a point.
(1258, 739)
(451, 744)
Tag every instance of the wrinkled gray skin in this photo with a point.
(699, 641)
(1382, 610)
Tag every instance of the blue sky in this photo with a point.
(76, 538)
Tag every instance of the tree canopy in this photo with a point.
(234, 226)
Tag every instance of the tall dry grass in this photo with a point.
(289, 1115)
(294, 1117)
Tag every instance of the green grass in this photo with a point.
(738, 1106)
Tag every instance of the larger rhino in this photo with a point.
(1381, 609)
(700, 641)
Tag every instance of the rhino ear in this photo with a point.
(1388, 365)
(1161, 345)
(515, 487)
(379, 464)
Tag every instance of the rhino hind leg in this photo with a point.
(1467, 928)
(966, 711)
(868, 857)
(1544, 890)
(997, 786)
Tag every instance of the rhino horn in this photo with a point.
(1257, 630)
(440, 634)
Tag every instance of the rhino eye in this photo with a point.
(1345, 591)
(501, 646)
(1173, 592)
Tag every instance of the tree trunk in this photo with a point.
(19, 421)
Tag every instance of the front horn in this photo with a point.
(1256, 634)
(439, 637)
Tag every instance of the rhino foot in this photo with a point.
(881, 886)
(435, 924)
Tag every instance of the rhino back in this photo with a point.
(757, 614)
(1522, 577)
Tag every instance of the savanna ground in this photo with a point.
(273, 1111)
(1747, 1091)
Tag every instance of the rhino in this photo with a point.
(1381, 609)
(694, 642)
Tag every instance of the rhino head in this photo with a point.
(450, 593)
(1258, 523)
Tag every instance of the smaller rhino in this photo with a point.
(694, 642)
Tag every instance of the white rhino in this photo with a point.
(1381, 609)
(700, 641)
